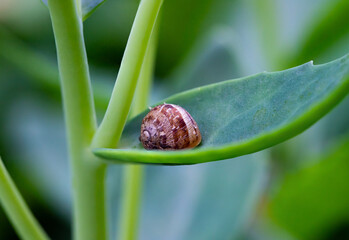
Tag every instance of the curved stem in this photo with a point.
(133, 174)
(74, 73)
(17, 210)
(109, 132)
(88, 173)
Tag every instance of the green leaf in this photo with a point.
(313, 201)
(227, 197)
(87, 6)
(212, 201)
(245, 115)
(329, 27)
(197, 17)
(41, 70)
(213, 60)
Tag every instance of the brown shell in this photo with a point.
(169, 127)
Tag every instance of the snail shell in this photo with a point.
(169, 127)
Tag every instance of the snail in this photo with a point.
(169, 127)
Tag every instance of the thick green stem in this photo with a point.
(88, 174)
(17, 210)
(74, 74)
(89, 199)
(133, 174)
(109, 132)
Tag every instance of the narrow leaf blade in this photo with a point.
(89, 6)
(245, 115)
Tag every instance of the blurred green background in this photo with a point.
(296, 190)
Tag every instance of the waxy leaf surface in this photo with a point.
(245, 115)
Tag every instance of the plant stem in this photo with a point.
(109, 132)
(141, 98)
(88, 173)
(74, 74)
(133, 174)
(130, 203)
(17, 210)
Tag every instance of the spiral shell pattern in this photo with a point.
(169, 127)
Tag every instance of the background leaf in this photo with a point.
(279, 105)
(221, 196)
(211, 61)
(313, 201)
(322, 33)
(183, 23)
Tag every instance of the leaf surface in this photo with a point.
(245, 115)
